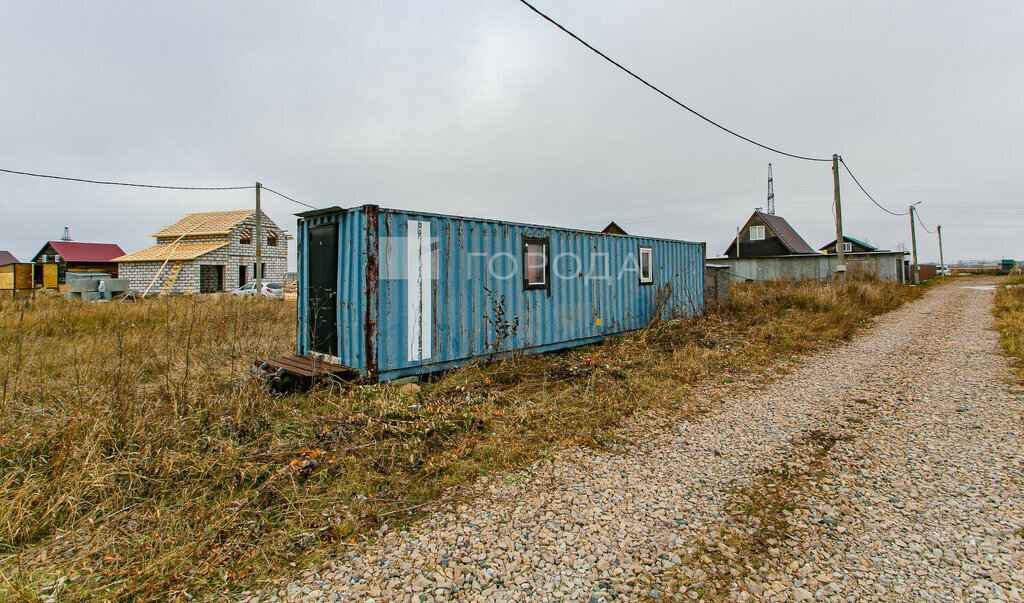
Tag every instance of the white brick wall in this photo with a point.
(192, 239)
(276, 258)
(140, 274)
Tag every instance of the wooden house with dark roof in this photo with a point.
(767, 235)
(850, 245)
(614, 228)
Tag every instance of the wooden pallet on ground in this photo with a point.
(304, 367)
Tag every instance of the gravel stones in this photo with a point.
(923, 500)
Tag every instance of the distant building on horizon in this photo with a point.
(850, 245)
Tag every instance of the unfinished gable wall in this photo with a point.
(276, 258)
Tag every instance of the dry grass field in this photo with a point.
(1010, 318)
(139, 460)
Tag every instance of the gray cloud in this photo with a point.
(481, 108)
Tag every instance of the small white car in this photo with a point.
(271, 290)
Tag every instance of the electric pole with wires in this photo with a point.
(942, 261)
(840, 253)
(913, 241)
(259, 243)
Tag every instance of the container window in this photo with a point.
(757, 233)
(847, 247)
(646, 265)
(535, 263)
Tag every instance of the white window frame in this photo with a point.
(647, 252)
(545, 247)
(847, 247)
(759, 229)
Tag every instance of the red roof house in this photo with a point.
(72, 256)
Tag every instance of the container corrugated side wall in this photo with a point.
(472, 312)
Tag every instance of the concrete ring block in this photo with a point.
(81, 285)
(90, 296)
(73, 295)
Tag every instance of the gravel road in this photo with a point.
(920, 498)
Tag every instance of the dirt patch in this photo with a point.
(761, 517)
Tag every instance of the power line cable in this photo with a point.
(270, 190)
(917, 214)
(158, 186)
(861, 187)
(665, 94)
(111, 183)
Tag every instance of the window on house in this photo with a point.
(272, 239)
(245, 237)
(757, 233)
(847, 247)
(535, 263)
(646, 265)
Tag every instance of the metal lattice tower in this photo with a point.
(771, 192)
(67, 234)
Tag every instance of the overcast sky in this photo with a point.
(480, 108)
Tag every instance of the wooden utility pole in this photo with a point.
(259, 243)
(913, 241)
(840, 254)
(942, 261)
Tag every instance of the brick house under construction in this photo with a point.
(206, 253)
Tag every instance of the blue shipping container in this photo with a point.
(391, 293)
